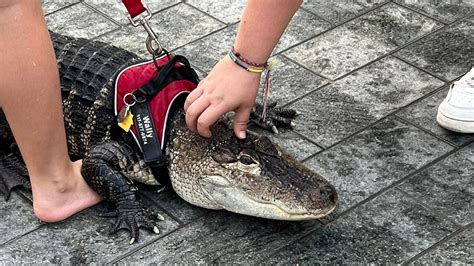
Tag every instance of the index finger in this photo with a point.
(194, 112)
(208, 118)
(193, 96)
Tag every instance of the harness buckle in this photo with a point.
(152, 38)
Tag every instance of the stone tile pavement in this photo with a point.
(367, 77)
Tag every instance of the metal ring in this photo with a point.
(134, 99)
(149, 46)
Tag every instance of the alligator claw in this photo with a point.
(275, 129)
(276, 117)
(160, 217)
(134, 219)
(155, 215)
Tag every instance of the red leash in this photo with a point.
(139, 14)
(134, 7)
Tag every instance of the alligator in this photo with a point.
(252, 177)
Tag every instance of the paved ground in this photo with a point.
(367, 77)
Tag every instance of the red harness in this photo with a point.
(154, 89)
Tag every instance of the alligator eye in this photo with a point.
(246, 159)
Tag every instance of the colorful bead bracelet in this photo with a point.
(244, 65)
(254, 68)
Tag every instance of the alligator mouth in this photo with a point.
(222, 193)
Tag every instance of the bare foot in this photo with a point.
(56, 201)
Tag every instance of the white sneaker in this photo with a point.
(456, 112)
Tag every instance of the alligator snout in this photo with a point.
(324, 199)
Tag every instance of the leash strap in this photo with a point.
(134, 7)
(139, 14)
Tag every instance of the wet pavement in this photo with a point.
(367, 77)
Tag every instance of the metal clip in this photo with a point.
(129, 100)
(152, 36)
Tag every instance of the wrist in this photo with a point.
(252, 53)
(232, 65)
(246, 64)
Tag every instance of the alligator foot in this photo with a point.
(132, 218)
(12, 174)
(108, 168)
(276, 117)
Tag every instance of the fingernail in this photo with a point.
(242, 134)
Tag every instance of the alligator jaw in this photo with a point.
(221, 192)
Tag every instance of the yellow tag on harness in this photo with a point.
(127, 122)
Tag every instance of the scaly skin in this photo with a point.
(253, 176)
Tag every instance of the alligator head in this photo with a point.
(252, 176)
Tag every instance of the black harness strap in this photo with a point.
(148, 138)
(157, 83)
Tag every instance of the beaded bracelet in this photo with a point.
(254, 68)
(244, 65)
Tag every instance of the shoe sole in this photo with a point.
(455, 125)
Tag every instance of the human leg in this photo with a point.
(30, 98)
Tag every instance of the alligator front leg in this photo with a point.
(108, 169)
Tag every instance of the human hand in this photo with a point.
(228, 87)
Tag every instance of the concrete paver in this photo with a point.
(50, 6)
(339, 11)
(228, 11)
(423, 114)
(206, 52)
(457, 250)
(451, 196)
(446, 11)
(348, 105)
(362, 40)
(79, 21)
(375, 159)
(448, 53)
(389, 228)
(84, 238)
(222, 237)
(18, 218)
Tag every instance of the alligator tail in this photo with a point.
(13, 173)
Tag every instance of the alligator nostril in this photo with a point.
(329, 194)
(334, 197)
(323, 196)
